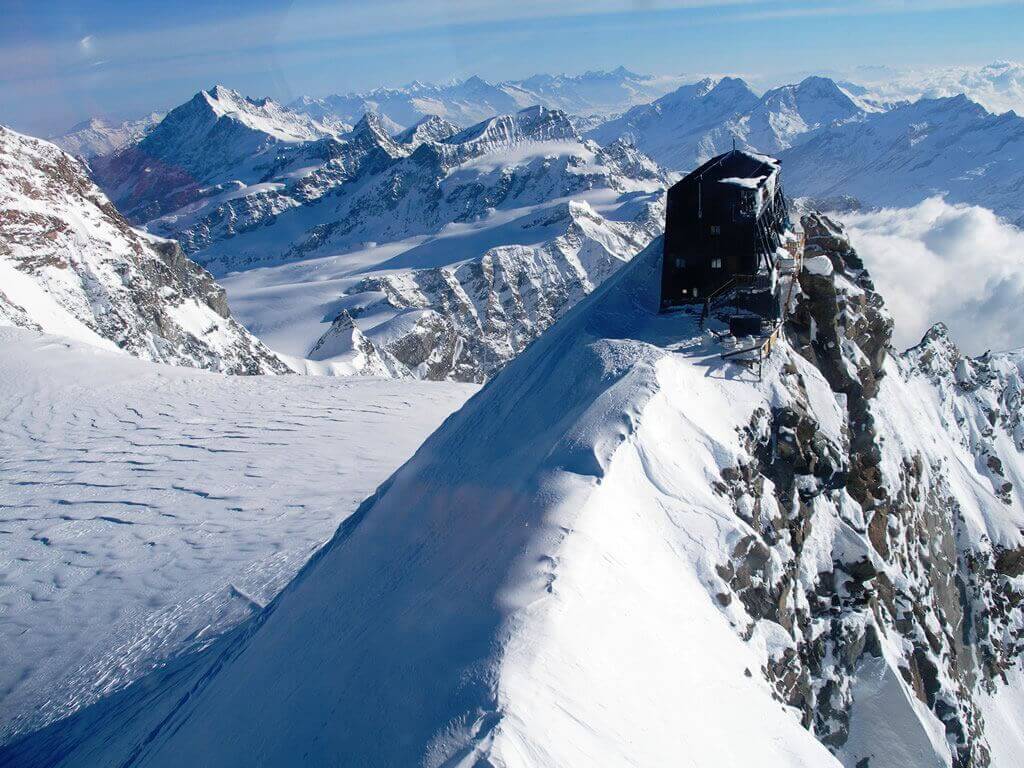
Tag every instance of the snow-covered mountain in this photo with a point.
(447, 250)
(949, 146)
(469, 101)
(97, 136)
(70, 264)
(208, 146)
(698, 121)
(626, 551)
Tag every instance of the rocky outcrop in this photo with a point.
(909, 588)
(466, 321)
(72, 265)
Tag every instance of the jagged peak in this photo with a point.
(475, 81)
(535, 123)
(375, 129)
(429, 128)
(936, 355)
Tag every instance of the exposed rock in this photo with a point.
(72, 265)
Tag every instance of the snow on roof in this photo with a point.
(750, 182)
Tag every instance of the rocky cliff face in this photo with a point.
(913, 609)
(72, 265)
(464, 322)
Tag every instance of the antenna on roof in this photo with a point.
(733, 143)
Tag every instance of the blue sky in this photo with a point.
(62, 61)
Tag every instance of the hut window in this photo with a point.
(716, 263)
(716, 229)
(680, 263)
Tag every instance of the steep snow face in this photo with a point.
(950, 146)
(686, 127)
(472, 100)
(96, 136)
(625, 550)
(697, 122)
(70, 264)
(173, 504)
(786, 114)
(214, 142)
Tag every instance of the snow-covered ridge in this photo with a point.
(998, 86)
(95, 137)
(469, 101)
(626, 546)
(698, 121)
(949, 146)
(70, 264)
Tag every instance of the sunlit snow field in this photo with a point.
(145, 508)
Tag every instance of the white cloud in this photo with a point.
(998, 87)
(958, 264)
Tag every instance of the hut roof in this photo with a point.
(744, 169)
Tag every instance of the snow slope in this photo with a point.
(627, 551)
(70, 264)
(948, 146)
(146, 508)
(698, 121)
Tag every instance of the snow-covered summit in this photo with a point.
(70, 264)
(697, 121)
(97, 136)
(216, 138)
(430, 128)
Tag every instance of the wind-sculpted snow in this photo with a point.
(626, 550)
(147, 509)
(70, 264)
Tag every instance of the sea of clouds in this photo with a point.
(958, 264)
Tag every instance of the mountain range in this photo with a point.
(949, 146)
(469, 101)
(696, 122)
(492, 231)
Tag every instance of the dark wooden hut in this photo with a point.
(723, 225)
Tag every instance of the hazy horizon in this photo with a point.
(63, 65)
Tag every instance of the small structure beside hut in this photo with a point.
(729, 244)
